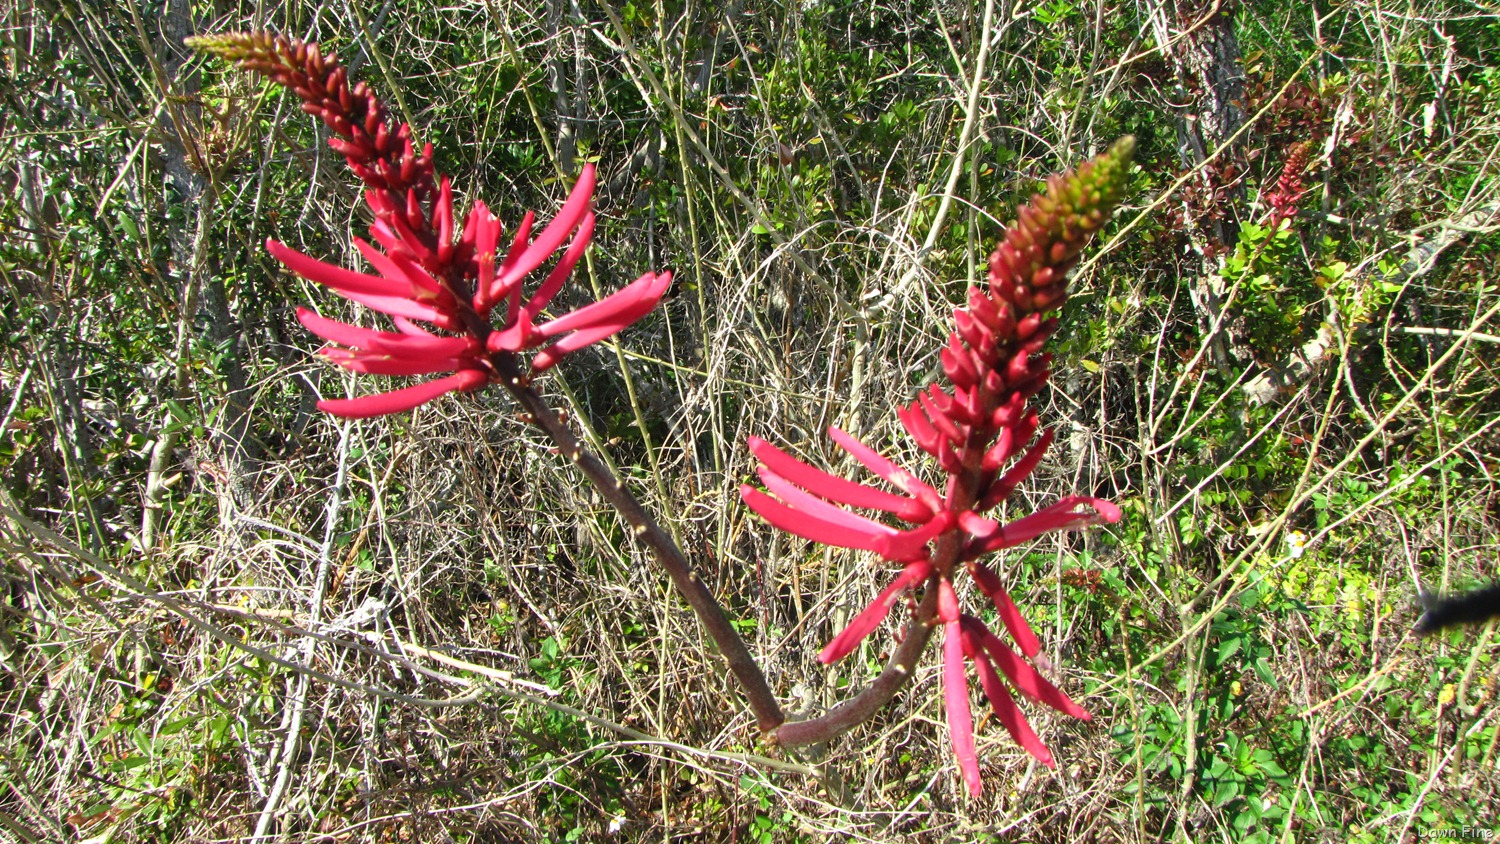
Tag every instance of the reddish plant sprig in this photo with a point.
(425, 270)
(984, 436)
(1289, 190)
(472, 295)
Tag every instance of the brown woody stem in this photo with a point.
(863, 706)
(768, 714)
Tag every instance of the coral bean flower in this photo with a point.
(424, 271)
(984, 436)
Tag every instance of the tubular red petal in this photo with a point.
(1026, 679)
(957, 365)
(1018, 368)
(1001, 703)
(333, 277)
(443, 215)
(911, 545)
(647, 288)
(964, 358)
(411, 342)
(885, 468)
(972, 329)
(485, 238)
(1064, 515)
(1006, 415)
(338, 332)
(1023, 468)
(845, 642)
(380, 203)
(915, 422)
(947, 602)
(804, 525)
(831, 487)
(967, 405)
(939, 419)
(414, 216)
(983, 308)
(564, 268)
(397, 267)
(815, 506)
(949, 458)
(548, 357)
(1010, 615)
(1028, 325)
(470, 235)
(567, 219)
(403, 307)
(553, 354)
(512, 288)
(395, 233)
(386, 365)
(431, 346)
(396, 401)
(513, 339)
(976, 525)
(406, 326)
(998, 453)
(956, 701)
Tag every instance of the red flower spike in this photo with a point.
(1289, 191)
(981, 433)
(422, 272)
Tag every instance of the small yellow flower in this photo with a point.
(1447, 695)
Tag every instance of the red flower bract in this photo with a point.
(423, 270)
(985, 438)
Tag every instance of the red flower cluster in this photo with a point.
(984, 437)
(1289, 191)
(423, 272)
